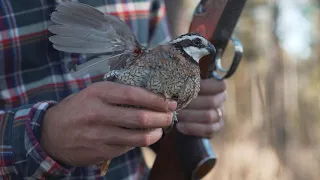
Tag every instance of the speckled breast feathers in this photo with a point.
(162, 70)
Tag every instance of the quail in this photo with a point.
(170, 69)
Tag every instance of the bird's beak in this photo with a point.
(211, 48)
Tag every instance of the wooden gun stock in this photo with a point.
(179, 158)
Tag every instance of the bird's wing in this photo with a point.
(80, 28)
(100, 65)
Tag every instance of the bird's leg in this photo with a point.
(111, 75)
(175, 117)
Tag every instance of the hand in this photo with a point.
(86, 128)
(203, 116)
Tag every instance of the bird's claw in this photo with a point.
(112, 74)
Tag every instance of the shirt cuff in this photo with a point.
(30, 158)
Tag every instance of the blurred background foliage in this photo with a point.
(272, 129)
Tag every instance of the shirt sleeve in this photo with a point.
(21, 154)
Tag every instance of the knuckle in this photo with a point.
(91, 117)
(143, 119)
(147, 140)
(210, 118)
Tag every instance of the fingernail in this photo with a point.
(172, 105)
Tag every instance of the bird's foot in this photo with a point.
(111, 75)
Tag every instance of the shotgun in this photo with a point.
(182, 157)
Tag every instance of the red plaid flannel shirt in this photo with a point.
(33, 77)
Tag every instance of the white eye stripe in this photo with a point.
(190, 38)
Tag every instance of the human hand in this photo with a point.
(203, 116)
(86, 128)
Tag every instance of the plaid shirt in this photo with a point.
(33, 77)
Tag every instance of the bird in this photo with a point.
(170, 69)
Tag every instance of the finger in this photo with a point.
(201, 130)
(211, 86)
(132, 117)
(116, 93)
(129, 137)
(208, 102)
(200, 116)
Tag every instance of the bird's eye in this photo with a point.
(197, 42)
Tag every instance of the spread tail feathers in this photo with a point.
(80, 28)
(83, 29)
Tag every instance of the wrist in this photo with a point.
(45, 136)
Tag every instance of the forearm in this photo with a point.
(180, 14)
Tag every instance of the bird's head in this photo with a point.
(193, 46)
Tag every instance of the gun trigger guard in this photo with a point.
(238, 52)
